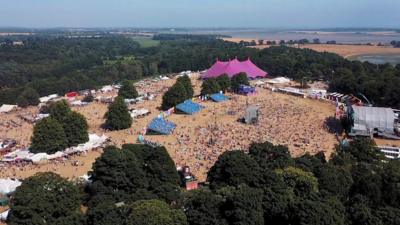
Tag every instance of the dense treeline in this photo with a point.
(59, 65)
(139, 184)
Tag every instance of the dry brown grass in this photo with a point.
(353, 50)
(342, 50)
(285, 119)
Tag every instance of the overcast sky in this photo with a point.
(200, 13)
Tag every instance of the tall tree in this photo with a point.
(46, 198)
(303, 183)
(388, 215)
(307, 212)
(203, 207)
(75, 128)
(187, 83)
(118, 116)
(155, 212)
(271, 156)
(234, 168)
(59, 110)
(245, 206)
(127, 90)
(74, 124)
(106, 213)
(210, 86)
(335, 180)
(224, 82)
(239, 79)
(175, 95)
(48, 136)
(134, 172)
(28, 97)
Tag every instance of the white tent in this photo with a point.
(48, 98)
(259, 82)
(4, 215)
(36, 158)
(7, 108)
(370, 118)
(139, 112)
(164, 78)
(107, 88)
(41, 116)
(278, 80)
(78, 103)
(94, 142)
(8, 185)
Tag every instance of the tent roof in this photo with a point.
(218, 97)
(161, 126)
(189, 107)
(374, 117)
(233, 67)
(7, 108)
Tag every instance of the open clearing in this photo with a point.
(342, 50)
(296, 122)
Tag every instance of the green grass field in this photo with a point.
(146, 43)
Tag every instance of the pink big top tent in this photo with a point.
(234, 67)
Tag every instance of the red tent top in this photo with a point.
(71, 94)
(234, 67)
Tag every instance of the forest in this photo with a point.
(60, 64)
(139, 184)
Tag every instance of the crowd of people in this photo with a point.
(198, 140)
(297, 123)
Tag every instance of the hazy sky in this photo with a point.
(200, 13)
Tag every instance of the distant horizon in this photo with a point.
(307, 14)
(202, 28)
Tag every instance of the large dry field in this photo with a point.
(342, 50)
(354, 50)
(287, 120)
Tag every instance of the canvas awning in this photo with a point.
(189, 107)
(234, 67)
(370, 118)
(7, 108)
(161, 126)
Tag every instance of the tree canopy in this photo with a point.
(175, 95)
(210, 86)
(155, 212)
(234, 168)
(187, 84)
(139, 184)
(127, 90)
(239, 79)
(76, 129)
(224, 82)
(46, 198)
(74, 124)
(118, 116)
(48, 137)
(59, 65)
(134, 172)
(28, 97)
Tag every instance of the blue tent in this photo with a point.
(218, 97)
(189, 107)
(244, 89)
(162, 126)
